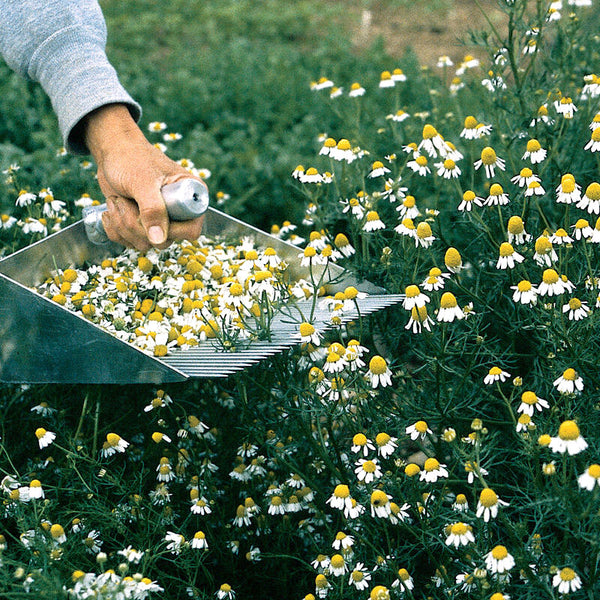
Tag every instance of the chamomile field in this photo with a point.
(445, 447)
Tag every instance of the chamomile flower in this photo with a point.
(114, 443)
(508, 257)
(433, 143)
(309, 335)
(449, 309)
(469, 200)
(545, 255)
(44, 437)
(490, 161)
(497, 196)
(340, 498)
(379, 374)
(386, 444)
(385, 80)
(361, 444)
(569, 439)
(566, 581)
(590, 200)
(459, 534)
(406, 228)
(460, 504)
(419, 319)
(499, 560)
(417, 430)
(380, 504)
(560, 236)
(534, 188)
(487, 507)
(424, 236)
(447, 169)
(359, 577)
(356, 90)
(568, 191)
(398, 75)
(373, 222)
(378, 169)
(576, 309)
(516, 231)
(524, 178)
(530, 402)
(542, 116)
(569, 382)
(534, 152)
(590, 478)
(25, 198)
(322, 84)
(343, 245)
(367, 470)
(419, 166)
(399, 116)
(225, 592)
(594, 143)
(404, 581)
(414, 297)
(494, 375)
(582, 230)
(433, 470)
(343, 152)
(552, 284)
(565, 107)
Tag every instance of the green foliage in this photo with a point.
(467, 393)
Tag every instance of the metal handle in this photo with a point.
(185, 199)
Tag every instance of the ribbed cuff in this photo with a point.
(73, 69)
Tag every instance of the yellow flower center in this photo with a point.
(372, 216)
(377, 165)
(568, 431)
(449, 164)
(533, 146)
(409, 202)
(488, 497)
(459, 528)
(431, 464)
(421, 161)
(341, 240)
(594, 471)
(496, 189)
(550, 276)
(515, 225)
(424, 230)
(344, 144)
(412, 469)
(593, 191)
(330, 143)
(469, 196)
(470, 122)
(574, 304)
(529, 398)
(506, 249)
(567, 574)
(341, 491)
(408, 223)
(357, 576)
(382, 439)
(452, 258)
(337, 561)
(412, 291)
(403, 574)
(461, 499)
(40, 432)
(429, 132)
(306, 329)
(377, 365)
(369, 466)
(113, 439)
(379, 498)
(421, 426)
(499, 552)
(526, 172)
(488, 156)
(570, 374)
(448, 300)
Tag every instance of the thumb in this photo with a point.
(153, 215)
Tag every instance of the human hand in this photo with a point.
(131, 173)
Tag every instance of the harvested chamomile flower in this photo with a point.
(173, 299)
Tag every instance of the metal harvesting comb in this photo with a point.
(43, 342)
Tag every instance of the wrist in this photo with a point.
(105, 127)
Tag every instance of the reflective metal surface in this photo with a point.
(40, 341)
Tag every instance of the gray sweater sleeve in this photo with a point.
(61, 44)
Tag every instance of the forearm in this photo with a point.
(61, 44)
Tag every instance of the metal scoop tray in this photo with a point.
(43, 342)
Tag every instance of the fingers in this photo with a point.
(153, 215)
(122, 223)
